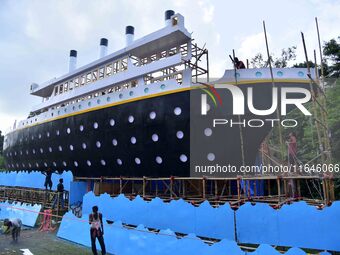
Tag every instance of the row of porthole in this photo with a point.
(152, 115)
(133, 140)
(258, 74)
(183, 158)
(108, 99)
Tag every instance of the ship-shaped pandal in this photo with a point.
(128, 113)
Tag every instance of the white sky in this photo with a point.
(36, 36)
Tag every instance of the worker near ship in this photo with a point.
(239, 64)
(48, 178)
(60, 194)
(15, 226)
(96, 230)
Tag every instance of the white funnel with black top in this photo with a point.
(73, 60)
(103, 47)
(129, 34)
(167, 17)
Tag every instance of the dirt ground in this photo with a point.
(40, 243)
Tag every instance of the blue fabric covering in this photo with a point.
(34, 179)
(296, 225)
(119, 240)
(23, 212)
(178, 215)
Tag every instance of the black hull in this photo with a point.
(103, 160)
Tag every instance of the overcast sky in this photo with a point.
(36, 36)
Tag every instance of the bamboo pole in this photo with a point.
(273, 84)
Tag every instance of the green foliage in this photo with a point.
(258, 61)
(331, 50)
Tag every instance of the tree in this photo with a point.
(2, 161)
(331, 50)
(287, 55)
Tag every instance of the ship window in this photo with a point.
(26, 152)
(108, 99)
(177, 111)
(64, 163)
(159, 160)
(89, 103)
(57, 132)
(79, 106)
(70, 85)
(66, 87)
(101, 73)
(60, 148)
(120, 96)
(154, 137)
(29, 164)
(83, 146)
(103, 162)
(146, 90)
(131, 93)
(98, 144)
(98, 101)
(131, 119)
(41, 150)
(50, 149)
(48, 134)
(56, 90)
(39, 136)
(88, 77)
(211, 156)
(37, 165)
(95, 75)
(68, 130)
(108, 69)
(114, 142)
(82, 80)
(75, 163)
(45, 164)
(112, 122)
(115, 67)
(133, 140)
(95, 125)
(73, 108)
(76, 82)
(138, 161)
(152, 115)
(119, 161)
(183, 158)
(61, 89)
(180, 134)
(54, 164)
(81, 128)
(208, 132)
(33, 151)
(71, 147)
(88, 162)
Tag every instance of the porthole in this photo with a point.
(49, 149)
(258, 74)
(95, 125)
(39, 136)
(119, 161)
(20, 152)
(45, 164)
(114, 142)
(29, 165)
(154, 137)
(48, 134)
(162, 86)
(120, 96)
(133, 140)
(131, 93)
(108, 99)
(208, 132)
(103, 162)
(98, 144)
(65, 110)
(89, 103)
(37, 164)
(60, 148)
(146, 90)
(79, 106)
(152, 115)
(64, 163)
(138, 161)
(71, 147)
(177, 111)
(41, 150)
(75, 163)
(33, 151)
(26, 153)
(57, 132)
(68, 130)
(84, 146)
(180, 134)
(88, 162)
(73, 108)
(98, 101)
(54, 164)
(112, 122)
(32, 137)
(131, 119)
(81, 128)
(159, 160)
(183, 158)
(23, 165)
(211, 156)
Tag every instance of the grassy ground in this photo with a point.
(40, 243)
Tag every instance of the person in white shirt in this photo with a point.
(15, 225)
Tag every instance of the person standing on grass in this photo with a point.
(15, 225)
(97, 230)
